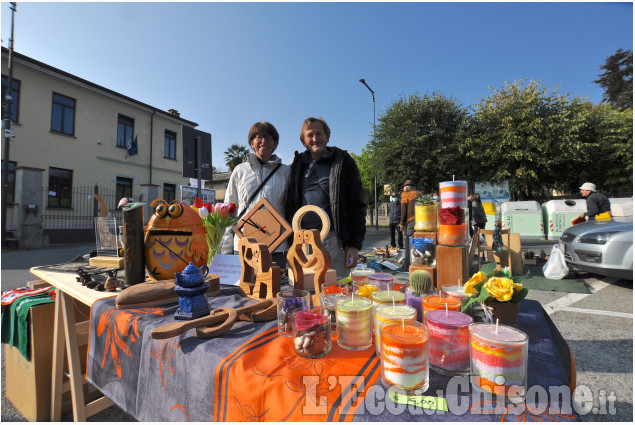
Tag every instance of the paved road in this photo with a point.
(597, 326)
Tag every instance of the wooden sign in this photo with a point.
(264, 224)
(260, 277)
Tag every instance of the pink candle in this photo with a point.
(449, 341)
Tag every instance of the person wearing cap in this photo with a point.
(407, 222)
(596, 203)
(394, 217)
(328, 178)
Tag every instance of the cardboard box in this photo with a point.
(28, 383)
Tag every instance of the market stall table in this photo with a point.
(252, 373)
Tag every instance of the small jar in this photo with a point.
(330, 294)
(288, 302)
(383, 281)
(360, 276)
(311, 332)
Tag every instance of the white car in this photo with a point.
(600, 247)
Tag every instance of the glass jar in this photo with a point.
(453, 219)
(288, 302)
(311, 332)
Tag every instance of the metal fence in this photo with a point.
(70, 215)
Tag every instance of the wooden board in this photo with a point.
(453, 265)
(114, 262)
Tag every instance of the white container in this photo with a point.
(524, 218)
(557, 215)
(621, 207)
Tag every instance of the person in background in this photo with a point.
(407, 222)
(328, 177)
(247, 177)
(470, 198)
(394, 216)
(479, 218)
(596, 203)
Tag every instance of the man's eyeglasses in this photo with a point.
(263, 137)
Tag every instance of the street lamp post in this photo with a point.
(7, 128)
(376, 205)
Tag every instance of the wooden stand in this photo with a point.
(260, 277)
(431, 235)
(101, 261)
(453, 265)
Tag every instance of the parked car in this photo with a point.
(600, 247)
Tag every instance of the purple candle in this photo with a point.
(449, 341)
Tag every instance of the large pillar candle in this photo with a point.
(404, 356)
(354, 331)
(394, 313)
(498, 359)
(449, 341)
(453, 220)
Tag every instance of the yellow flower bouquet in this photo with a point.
(485, 287)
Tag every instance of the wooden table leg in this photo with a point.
(72, 352)
(58, 361)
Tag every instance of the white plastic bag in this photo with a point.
(556, 267)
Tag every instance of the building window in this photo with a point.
(169, 192)
(124, 188)
(60, 188)
(63, 115)
(169, 144)
(11, 182)
(125, 129)
(15, 93)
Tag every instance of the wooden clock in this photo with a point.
(264, 224)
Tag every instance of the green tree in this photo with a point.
(417, 138)
(528, 135)
(617, 79)
(235, 155)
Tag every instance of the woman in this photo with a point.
(247, 177)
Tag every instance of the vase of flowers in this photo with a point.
(494, 297)
(216, 219)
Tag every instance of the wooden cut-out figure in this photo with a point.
(260, 278)
(320, 260)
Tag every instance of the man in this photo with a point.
(394, 217)
(479, 218)
(328, 178)
(596, 203)
(407, 222)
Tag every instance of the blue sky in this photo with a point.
(228, 65)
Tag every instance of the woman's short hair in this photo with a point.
(263, 128)
(307, 122)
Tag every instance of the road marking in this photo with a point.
(602, 312)
(564, 302)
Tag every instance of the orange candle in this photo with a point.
(439, 303)
(453, 234)
(405, 358)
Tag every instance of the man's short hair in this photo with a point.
(307, 122)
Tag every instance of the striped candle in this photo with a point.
(453, 194)
(354, 323)
(404, 356)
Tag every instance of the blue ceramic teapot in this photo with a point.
(191, 276)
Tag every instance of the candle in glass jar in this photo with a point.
(384, 313)
(404, 356)
(438, 303)
(360, 276)
(383, 281)
(354, 330)
(449, 341)
(455, 292)
(498, 359)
